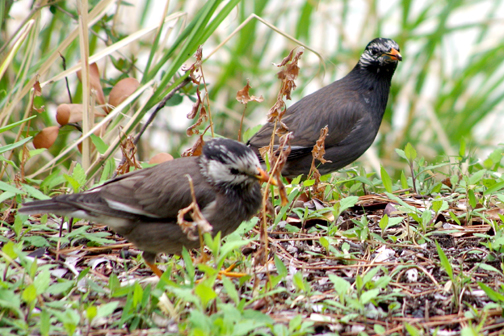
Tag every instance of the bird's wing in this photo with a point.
(156, 192)
(341, 110)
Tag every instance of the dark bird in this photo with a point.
(143, 205)
(351, 107)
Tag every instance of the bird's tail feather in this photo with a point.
(47, 206)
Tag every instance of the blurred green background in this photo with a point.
(448, 88)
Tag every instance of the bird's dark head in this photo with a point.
(380, 53)
(230, 163)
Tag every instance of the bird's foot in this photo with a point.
(227, 272)
(154, 268)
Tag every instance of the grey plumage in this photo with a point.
(351, 107)
(143, 205)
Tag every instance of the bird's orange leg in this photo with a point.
(154, 269)
(227, 272)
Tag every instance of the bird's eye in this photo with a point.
(375, 51)
(234, 171)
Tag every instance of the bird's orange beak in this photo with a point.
(394, 55)
(263, 176)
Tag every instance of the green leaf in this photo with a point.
(475, 178)
(9, 250)
(100, 145)
(308, 183)
(401, 153)
(20, 143)
(33, 192)
(490, 268)
(79, 174)
(73, 183)
(42, 281)
(8, 127)
(298, 282)
(454, 217)
(29, 294)
(493, 295)
(340, 285)
(496, 187)
(387, 181)
(472, 198)
(444, 262)
(60, 287)
(18, 223)
(205, 293)
(37, 241)
(412, 330)
(107, 309)
(410, 152)
(231, 290)
(7, 187)
(348, 202)
(384, 221)
(370, 275)
(379, 329)
(404, 180)
(324, 242)
(280, 266)
(45, 323)
(462, 149)
(369, 295)
(137, 294)
(189, 266)
(91, 313)
(6, 195)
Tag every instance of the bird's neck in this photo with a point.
(374, 82)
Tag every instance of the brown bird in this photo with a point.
(351, 107)
(143, 205)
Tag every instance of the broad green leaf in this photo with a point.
(348, 202)
(29, 294)
(387, 181)
(410, 152)
(60, 287)
(205, 293)
(369, 295)
(100, 145)
(107, 309)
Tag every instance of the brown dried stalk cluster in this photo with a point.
(199, 224)
(197, 77)
(128, 150)
(287, 75)
(244, 97)
(318, 154)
